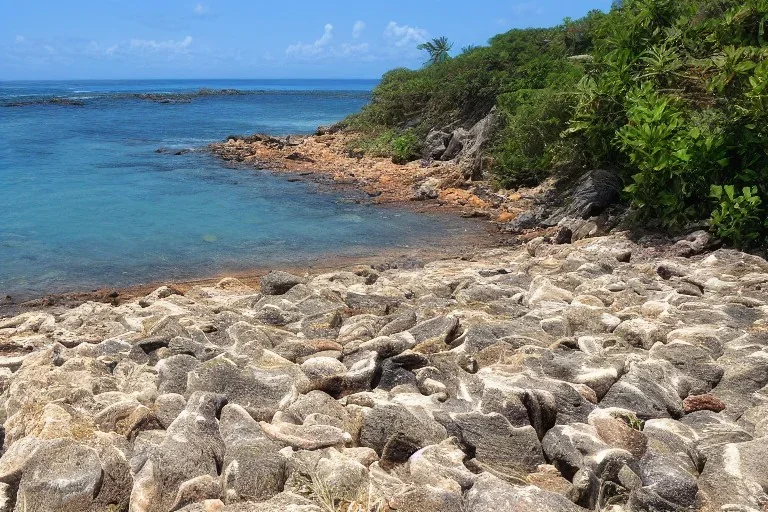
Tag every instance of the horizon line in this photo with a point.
(2, 80)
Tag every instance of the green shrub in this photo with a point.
(738, 218)
(401, 146)
(529, 144)
(405, 147)
(675, 160)
(676, 98)
(673, 94)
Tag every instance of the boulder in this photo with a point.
(491, 494)
(278, 282)
(497, 445)
(590, 196)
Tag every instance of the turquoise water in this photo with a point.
(87, 202)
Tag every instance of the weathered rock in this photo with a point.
(641, 381)
(695, 403)
(735, 476)
(385, 421)
(252, 468)
(278, 282)
(593, 193)
(261, 391)
(497, 444)
(192, 448)
(429, 189)
(491, 494)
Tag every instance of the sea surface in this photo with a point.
(87, 201)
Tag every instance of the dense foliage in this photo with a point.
(676, 97)
(673, 94)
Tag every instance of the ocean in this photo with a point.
(87, 200)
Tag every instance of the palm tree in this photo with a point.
(437, 49)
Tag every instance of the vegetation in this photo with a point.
(672, 94)
(676, 98)
(438, 49)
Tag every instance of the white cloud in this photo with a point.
(357, 28)
(348, 50)
(404, 35)
(314, 49)
(20, 39)
(199, 9)
(156, 46)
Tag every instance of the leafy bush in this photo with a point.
(674, 158)
(738, 218)
(405, 147)
(402, 146)
(529, 144)
(673, 94)
(677, 98)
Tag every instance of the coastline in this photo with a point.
(485, 237)
(321, 159)
(419, 185)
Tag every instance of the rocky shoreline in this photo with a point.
(598, 374)
(325, 157)
(580, 205)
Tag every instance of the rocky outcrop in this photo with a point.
(463, 146)
(555, 376)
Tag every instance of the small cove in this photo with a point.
(88, 202)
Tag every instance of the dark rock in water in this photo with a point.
(278, 282)
(593, 193)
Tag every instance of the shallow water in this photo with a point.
(86, 201)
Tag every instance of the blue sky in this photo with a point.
(57, 39)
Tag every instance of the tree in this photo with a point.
(437, 49)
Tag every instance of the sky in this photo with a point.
(111, 39)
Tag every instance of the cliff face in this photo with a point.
(543, 377)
